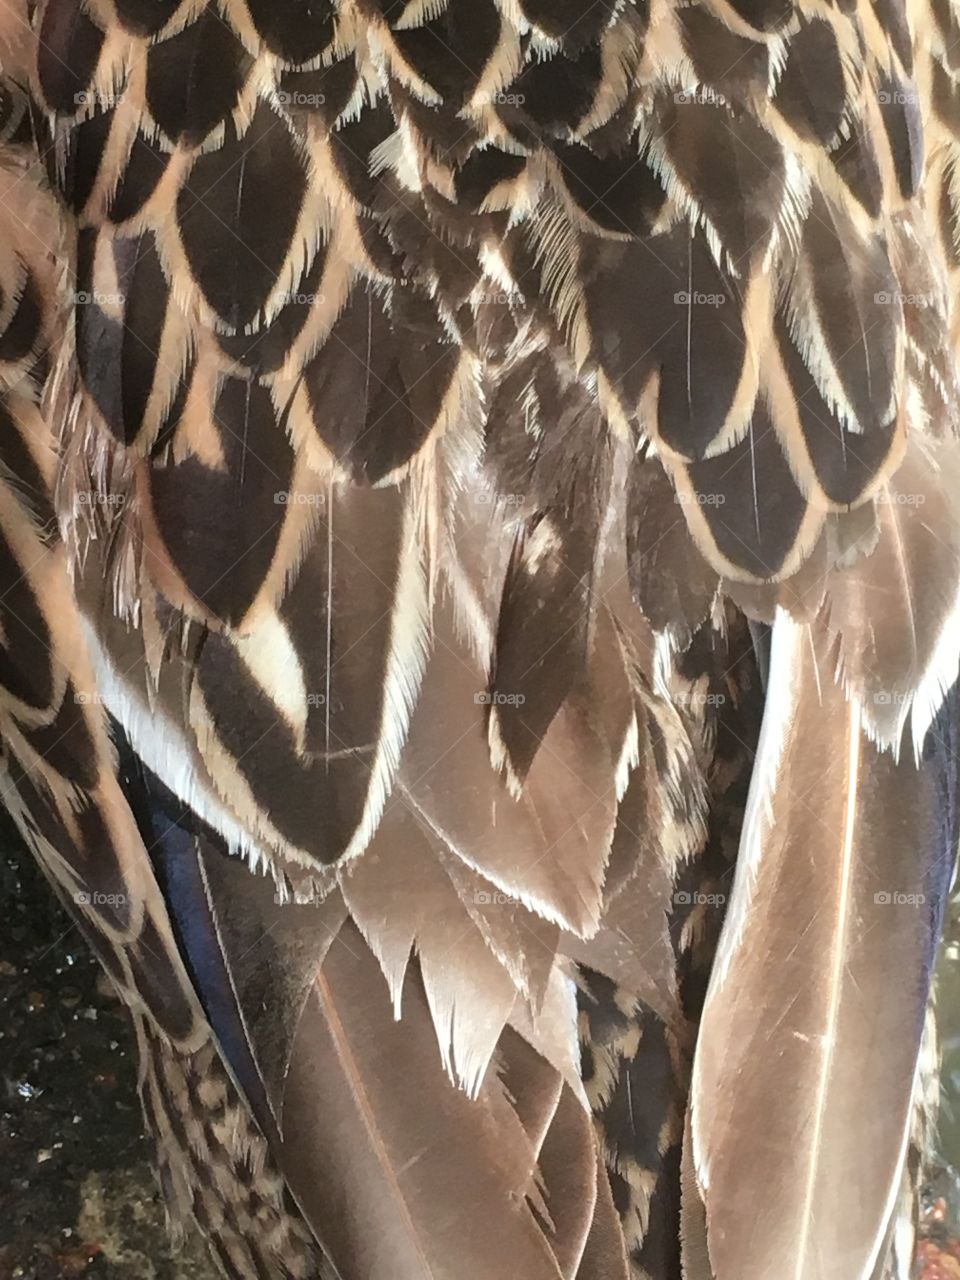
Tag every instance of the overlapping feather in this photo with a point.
(427, 376)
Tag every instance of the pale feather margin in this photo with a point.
(165, 750)
(409, 650)
(786, 638)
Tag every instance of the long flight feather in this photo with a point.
(848, 861)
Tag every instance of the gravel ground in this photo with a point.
(78, 1195)
(940, 1251)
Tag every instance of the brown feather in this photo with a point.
(841, 866)
(400, 1142)
(415, 384)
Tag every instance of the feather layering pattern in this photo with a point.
(480, 607)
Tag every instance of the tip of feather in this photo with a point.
(500, 756)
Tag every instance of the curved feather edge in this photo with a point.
(357, 1105)
(842, 867)
(903, 668)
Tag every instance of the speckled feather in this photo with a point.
(404, 406)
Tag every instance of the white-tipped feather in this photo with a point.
(409, 648)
